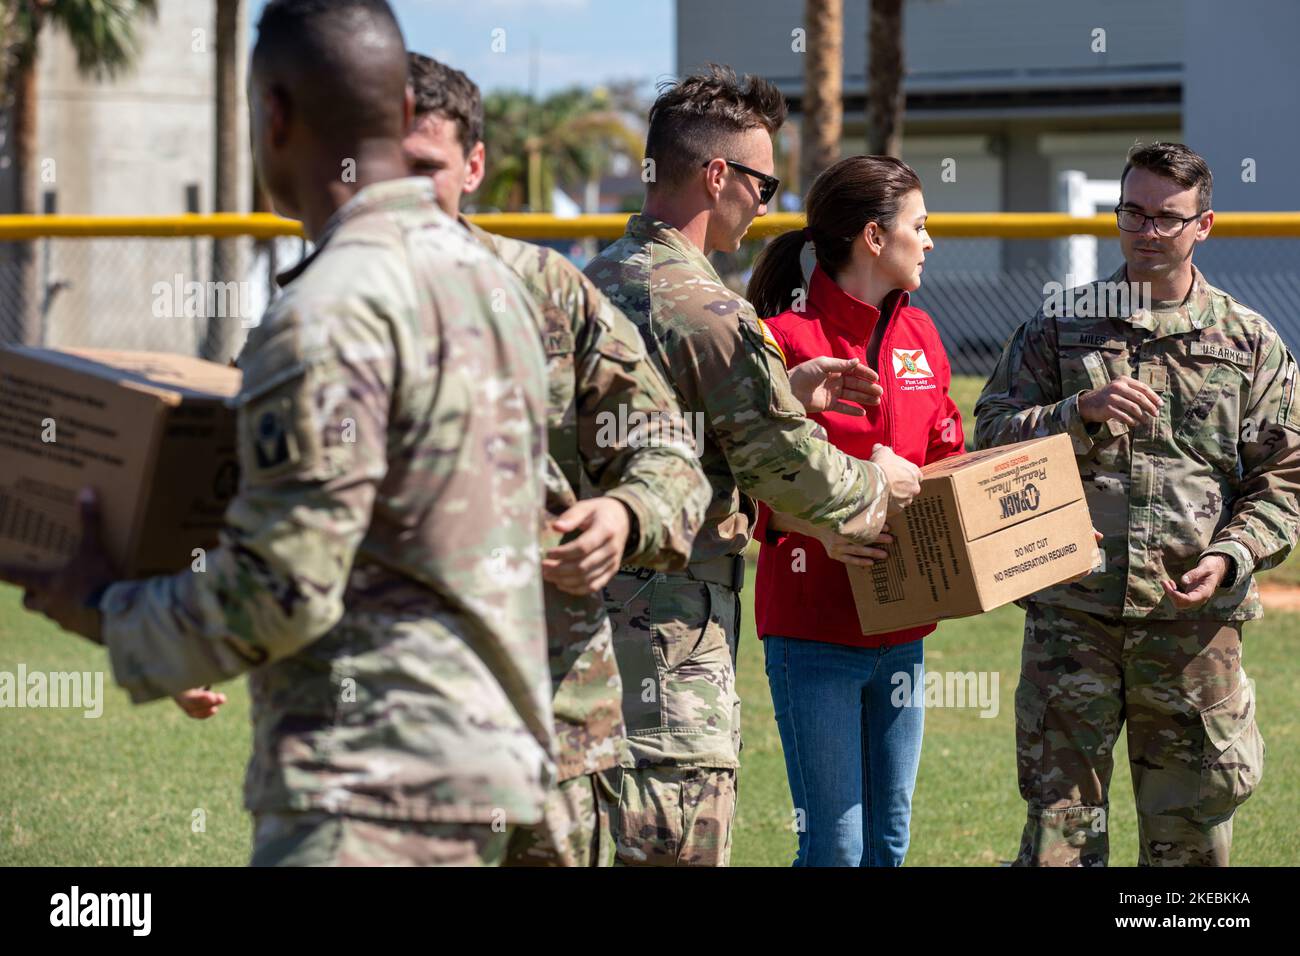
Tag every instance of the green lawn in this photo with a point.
(965, 391)
(122, 789)
(967, 810)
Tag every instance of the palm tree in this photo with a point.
(103, 35)
(823, 81)
(885, 77)
(566, 139)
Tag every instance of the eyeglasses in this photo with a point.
(768, 184)
(1167, 227)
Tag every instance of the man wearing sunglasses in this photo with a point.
(709, 150)
(767, 185)
(1182, 406)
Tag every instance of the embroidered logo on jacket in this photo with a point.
(909, 364)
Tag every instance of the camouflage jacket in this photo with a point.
(378, 573)
(730, 377)
(1217, 472)
(614, 429)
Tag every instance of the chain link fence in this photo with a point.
(977, 304)
(191, 295)
(160, 293)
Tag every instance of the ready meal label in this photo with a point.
(1015, 487)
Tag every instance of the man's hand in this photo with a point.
(1126, 400)
(62, 595)
(904, 478)
(828, 384)
(1079, 577)
(1201, 582)
(848, 551)
(199, 703)
(585, 564)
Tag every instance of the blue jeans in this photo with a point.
(851, 754)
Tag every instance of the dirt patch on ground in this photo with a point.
(1280, 597)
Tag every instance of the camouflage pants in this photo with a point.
(316, 838)
(575, 829)
(674, 816)
(1194, 749)
(675, 641)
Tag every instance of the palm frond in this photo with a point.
(103, 33)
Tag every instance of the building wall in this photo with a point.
(1239, 104)
(130, 146)
(1239, 99)
(1015, 93)
(948, 43)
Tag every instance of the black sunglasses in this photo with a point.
(768, 184)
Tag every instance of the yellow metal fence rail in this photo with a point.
(954, 225)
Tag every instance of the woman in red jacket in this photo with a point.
(852, 740)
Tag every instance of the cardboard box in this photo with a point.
(152, 433)
(988, 528)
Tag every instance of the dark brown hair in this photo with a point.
(1177, 162)
(843, 199)
(698, 118)
(449, 93)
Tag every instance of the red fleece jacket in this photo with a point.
(916, 417)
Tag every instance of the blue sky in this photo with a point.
(577, 42)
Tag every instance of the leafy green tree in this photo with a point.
(566, 139)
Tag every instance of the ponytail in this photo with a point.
(777, 275)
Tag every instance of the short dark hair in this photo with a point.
(447, 92)
(1177, 162)
(311, 48)
(697, 118)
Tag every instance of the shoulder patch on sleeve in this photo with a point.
(273, 440)
(770, 339)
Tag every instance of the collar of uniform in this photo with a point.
(845, 313)
(1196, 311)
(481, 235)
(648, 229)
(407, 192)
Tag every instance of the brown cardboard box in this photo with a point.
(988, 528)
(152, 433)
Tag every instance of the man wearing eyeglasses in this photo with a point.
(709, 147)
(1182, 407)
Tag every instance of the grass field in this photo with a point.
(124, 789)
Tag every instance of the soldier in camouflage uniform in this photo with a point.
(599, 376)
(379, 570)
(675, 633)
(1182, 407)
